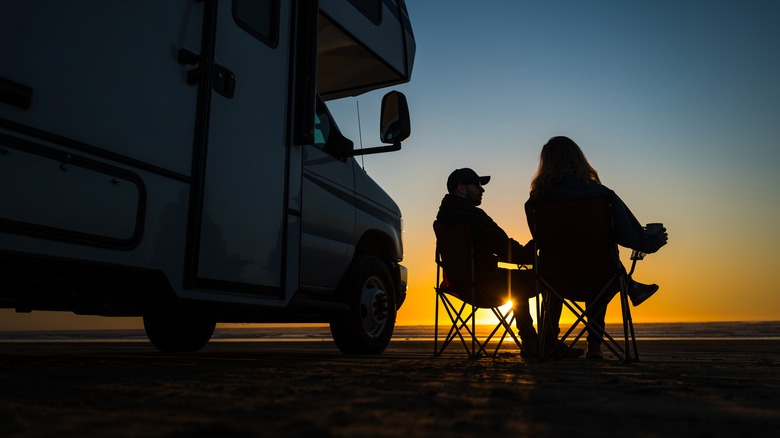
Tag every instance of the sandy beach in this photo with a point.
(307, 388)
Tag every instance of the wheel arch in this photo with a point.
(381, 245)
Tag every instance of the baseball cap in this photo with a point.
(465, 176)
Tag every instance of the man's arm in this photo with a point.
(491, 236)
(522, 254)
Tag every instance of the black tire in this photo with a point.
(368, 326)
(172, 333)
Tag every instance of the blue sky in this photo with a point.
(675, 103)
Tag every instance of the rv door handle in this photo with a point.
(225, 80)
(187, 57)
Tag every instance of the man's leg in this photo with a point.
(523, 319)
(552, 327)
(523, 287)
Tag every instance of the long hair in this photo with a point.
(561, 155)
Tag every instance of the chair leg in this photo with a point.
(454, 316)
(546, 328)
(473, 353)
(633, 337)
(623, 353)
(459, 324)
(436, 327)
(507, 330)
(628, 330)
(627, 317)
(506, 323)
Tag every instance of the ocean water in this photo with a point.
(647, 331)
(258, 333)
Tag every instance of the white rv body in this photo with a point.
(173, 160)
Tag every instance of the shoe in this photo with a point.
(531, 347)
(563, 352)
(594, 352)
(529, 338)
(530, 342)
(639, 292)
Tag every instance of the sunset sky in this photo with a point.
(675, 103)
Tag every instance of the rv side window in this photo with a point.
(260, 18)
(327, 135)
(321, 129)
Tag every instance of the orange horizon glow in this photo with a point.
(693, 288)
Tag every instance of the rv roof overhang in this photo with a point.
(365, 58)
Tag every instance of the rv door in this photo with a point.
(239, 228)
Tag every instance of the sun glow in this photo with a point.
(485, 316)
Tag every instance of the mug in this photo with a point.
(653, 228)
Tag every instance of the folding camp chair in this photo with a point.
(456, 292)
(578, 261)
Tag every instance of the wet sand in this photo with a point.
(242, 389)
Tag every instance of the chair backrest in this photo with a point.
(576, 245)
(454, 254)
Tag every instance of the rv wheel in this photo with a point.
(368, 326)
(172, 333)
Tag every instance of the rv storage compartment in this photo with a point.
(56, 195)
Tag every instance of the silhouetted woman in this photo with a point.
(565, 174)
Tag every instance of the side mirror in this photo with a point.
(395, 126)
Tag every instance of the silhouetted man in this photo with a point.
(491, 245)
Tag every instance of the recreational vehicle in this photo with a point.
(176, 160)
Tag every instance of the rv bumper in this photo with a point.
(403, 274)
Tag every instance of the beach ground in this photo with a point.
(307, 388)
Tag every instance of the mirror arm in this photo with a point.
(376, 150)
